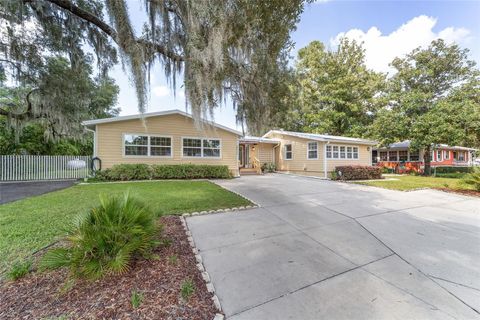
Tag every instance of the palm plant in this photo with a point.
(473, 179)
(107, 239)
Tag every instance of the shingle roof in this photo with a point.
(322, 137)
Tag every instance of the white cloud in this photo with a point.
(161, 91)
(321, 1)
(381, 49)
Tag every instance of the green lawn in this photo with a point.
(32, 223)
(408, 182)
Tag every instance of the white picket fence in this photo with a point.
(27, 168)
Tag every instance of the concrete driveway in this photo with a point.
(318, 249)
(12, 191)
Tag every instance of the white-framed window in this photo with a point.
(288, 152)
(312, 151)
(341, 152)
(461, 156)
(392, 156)
(144, 145)
(403, 155)
(383, 156)
(446, 154)
(201, 148)
(439, 155)
(414, 155)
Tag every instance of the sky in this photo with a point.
(387, 29)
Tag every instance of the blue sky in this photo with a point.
(387, 28)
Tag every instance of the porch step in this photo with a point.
(248, 171)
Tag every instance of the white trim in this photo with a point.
(325, 159)
(201, 148)
(322, 137)
(346, 152)
(285, 151)
(308, 150)
(148, 145)
(156, 114)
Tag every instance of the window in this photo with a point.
(329, 152)
(439, 155)
(288, 152)
(206, 148)
(392, 156)
(160, 146)
(446, 154)
(355, 152)
(312, 150)
(414, 155)
(403, 155)
(342, 152)
(135, 145)
(349, 153)
(335, 152)
(147, 145)
(461, 156)
(383, 156)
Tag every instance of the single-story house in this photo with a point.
(173, 137)
(400, 157)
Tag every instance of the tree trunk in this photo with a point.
(427, 160)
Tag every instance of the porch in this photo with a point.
(253, 152)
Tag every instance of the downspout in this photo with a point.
(325, 159)
(94, 140)
(275, 155)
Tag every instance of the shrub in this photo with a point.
(358, 172)
(454, 175)
(107, 239)
(268, 167)
(19, 270)
(473, 179)
(127, 172)
(453, 169)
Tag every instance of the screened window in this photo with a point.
(392, 156)
(355, 152)
(288, 152)
(329, 152)
(312, 150)
(383, 156)
(414, 156)
(403, 155)
(160, 146)
(192, 147)
(136, 145)
(342, 152)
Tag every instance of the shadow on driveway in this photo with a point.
(12, 191)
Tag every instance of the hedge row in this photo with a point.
(126, 172)
(453, 169)
(357, 172)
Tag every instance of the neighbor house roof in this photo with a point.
(91, 123)
(406, 144)
(250, 139)
(322, 137)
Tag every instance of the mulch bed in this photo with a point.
(472, 193)
(42, 295)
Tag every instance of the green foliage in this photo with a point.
(269, 167)
(127, 172)
(173, 259)
(336, 93)
(19, 270)
(107, 239)
(454, 169)
(187, 289)
(473, 179)
(358, 172)
(136, 299)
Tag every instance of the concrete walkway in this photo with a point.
(318, 249)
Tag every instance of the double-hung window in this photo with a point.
(446, 155)
(329, 152)
(288, 152)
(355, 152)
(206, 148)
(342, 152)
(349, 153)
(403, 155)
(383, 156)
(312, 150)
(414, 155)
(439, 155)
(147, 145)
(335, 152)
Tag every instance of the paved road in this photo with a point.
(11, 191)
(318, 249)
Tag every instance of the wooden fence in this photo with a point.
(31, 168)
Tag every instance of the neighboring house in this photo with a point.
(170, 137)
(166, 137)
(398, 156)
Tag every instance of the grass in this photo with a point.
(136, 299)
(407, 182)
(30, 224)
(19, 269)
(187, 289)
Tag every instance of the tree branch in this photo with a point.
(111, 32)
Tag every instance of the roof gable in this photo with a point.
(91, 123)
